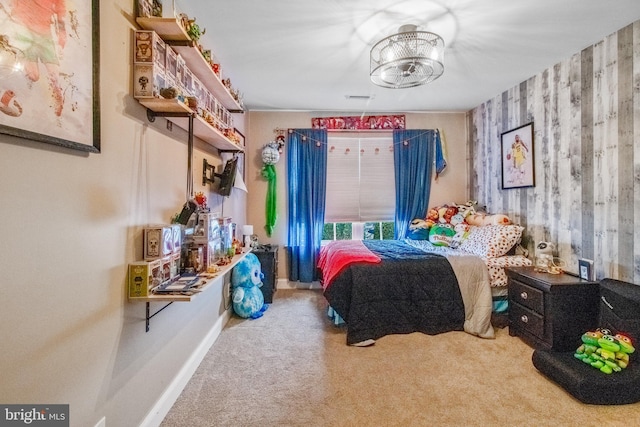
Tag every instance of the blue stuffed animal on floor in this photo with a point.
(246, 279)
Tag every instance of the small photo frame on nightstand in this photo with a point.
(585, 269)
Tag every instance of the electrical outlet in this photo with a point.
(229, 289)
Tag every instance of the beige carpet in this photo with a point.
(293, 368)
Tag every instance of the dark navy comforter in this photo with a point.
(409, 291)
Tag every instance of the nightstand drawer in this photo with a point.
(526, 320)
(527, 296)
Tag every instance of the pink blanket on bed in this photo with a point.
(337, 255)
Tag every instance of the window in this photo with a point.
(337, 231)
(360, 187)
(378, 230)
(360, 178)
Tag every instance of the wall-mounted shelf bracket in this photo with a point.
(149, 315)
(151, 115)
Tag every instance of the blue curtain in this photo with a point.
(307, 178)
(414, 155)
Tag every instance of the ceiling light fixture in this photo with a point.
(407, 59)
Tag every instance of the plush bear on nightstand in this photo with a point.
(246, 279)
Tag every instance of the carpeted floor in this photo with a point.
(293, 368)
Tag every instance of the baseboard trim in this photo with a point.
(165, 402)
(286, 284)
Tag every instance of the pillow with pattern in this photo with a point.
(491, 241)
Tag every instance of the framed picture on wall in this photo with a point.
(49, 70)
(517, 157)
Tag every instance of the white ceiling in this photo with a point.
(302, 55)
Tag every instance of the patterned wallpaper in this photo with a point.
(586, 116)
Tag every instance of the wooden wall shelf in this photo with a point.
(170, 30)
(205, 284)
(178, 113)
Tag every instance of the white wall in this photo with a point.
(71, 223)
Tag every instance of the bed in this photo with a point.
(402, 286)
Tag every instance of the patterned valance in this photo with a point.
(389, 122)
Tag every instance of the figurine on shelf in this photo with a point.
(169, 92)
(156, 8)
(201, 200)
(193, 30)
(237, 246)
(184, 21)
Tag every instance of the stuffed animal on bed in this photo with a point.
(486, 219)
(418, 229)
(604, 351)
(246, 280)
(441, 234)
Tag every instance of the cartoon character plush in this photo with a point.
(246, 280)
(462, 232)
(419, 229)
(480, 219)
(467, 209)
(441, 234)
(432, 215)
(457, 219)
(449, 212)
(604, 351)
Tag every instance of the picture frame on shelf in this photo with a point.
(241, 138)
(58, 103)
(517, 157)
(585, 269)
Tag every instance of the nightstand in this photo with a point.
(551, 311)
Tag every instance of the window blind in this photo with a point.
(360, 178)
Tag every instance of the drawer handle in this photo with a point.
(524, 318)
(524, 295)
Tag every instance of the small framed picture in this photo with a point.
(241, 138)
(585, 269)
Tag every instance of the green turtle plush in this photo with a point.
(604, 351)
